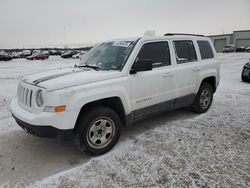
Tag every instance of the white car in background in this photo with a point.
(79, 55)
(228, 48)
(27, 53)
(17, 55)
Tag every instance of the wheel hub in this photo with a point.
(101, 132)
(205, 98)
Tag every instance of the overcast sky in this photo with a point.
(41, 23)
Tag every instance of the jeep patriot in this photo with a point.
(117, 83)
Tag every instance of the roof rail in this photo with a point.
(172, 34)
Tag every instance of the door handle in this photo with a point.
(196, 69)
(168, 74)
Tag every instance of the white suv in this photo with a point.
(117, 83)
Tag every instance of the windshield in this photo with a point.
(108, 55)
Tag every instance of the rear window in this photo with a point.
(185, 51)
(205, 50)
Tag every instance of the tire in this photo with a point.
(98, 130)
(203, 99)
(243, 78)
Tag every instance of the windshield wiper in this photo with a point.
(88, 66)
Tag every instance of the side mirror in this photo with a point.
(142, 65)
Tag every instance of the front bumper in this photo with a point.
(44, 124)
(43, 131)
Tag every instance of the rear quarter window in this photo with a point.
(205, 49)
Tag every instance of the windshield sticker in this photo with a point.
(121, 44)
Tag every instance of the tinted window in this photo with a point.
(158, 52)
(185, 51)
(205, 50)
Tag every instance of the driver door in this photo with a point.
(153, 90)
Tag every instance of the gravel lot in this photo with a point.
(174, 149)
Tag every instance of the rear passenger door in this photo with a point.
(187, 67)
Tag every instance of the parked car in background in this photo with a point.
(228, 48)
(5, 57)
(16, 55)
(241, 49)
(62, 52)
(39, 56)
(79, 55)
(26, 53)
(69, 54)
(55, 52)
(248, 49)
(45, 52)
(36, 52)
(245, 75)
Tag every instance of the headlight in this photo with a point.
(39, 98)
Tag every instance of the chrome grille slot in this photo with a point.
(23, 91)
(31, 93)
(24, 96)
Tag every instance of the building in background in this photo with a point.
(237, 38)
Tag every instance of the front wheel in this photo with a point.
(203, 99)
(99, 130)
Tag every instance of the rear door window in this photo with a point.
(185, 51)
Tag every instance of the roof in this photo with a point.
(172, 36)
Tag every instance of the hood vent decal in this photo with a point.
(56, 76)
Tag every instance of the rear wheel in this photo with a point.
(203, 99)
(98, 130)
(243, 78)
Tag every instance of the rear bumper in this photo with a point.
(43, 131)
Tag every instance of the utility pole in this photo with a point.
(65, 44)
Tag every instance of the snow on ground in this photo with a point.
(174, 149)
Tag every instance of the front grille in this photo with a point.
(24, 96)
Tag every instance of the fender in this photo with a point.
(205, 74)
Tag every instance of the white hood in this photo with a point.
(68, 77)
